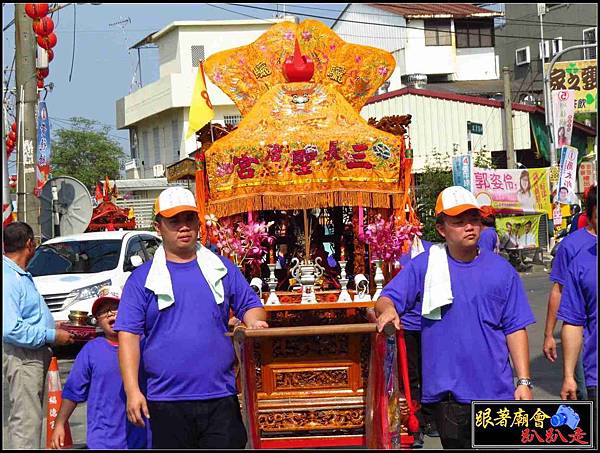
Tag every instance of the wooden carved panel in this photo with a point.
(258, 364)
(311, 379)
(319, 346)
(311, 420)
(316, 317)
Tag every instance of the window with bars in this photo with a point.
(197, 55)
(155, 136)
(522, 56)
(233, 120)
(437, 32)
(589, 37)
(175, 139)
(474, 33)
(557, 45)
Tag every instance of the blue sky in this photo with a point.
(102, 68)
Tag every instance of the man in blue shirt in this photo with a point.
(27, 330)
(567, 251)
(578, 310)
(180, 301)
(474, 318)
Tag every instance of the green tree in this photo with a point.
(436, 176)
(86, 152)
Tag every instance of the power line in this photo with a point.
(235, 12)
(386, 25)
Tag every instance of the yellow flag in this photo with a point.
(201, 109)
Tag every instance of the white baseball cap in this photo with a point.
(174, 200)
(455, 200)
(106, 294)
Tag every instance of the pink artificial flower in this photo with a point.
(306, 35)
(382, 70)
(288, 35)
(332, 47)
(218, 77)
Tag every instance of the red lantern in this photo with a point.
(12, 135)
(36, 10)
(43, 73)
(47, 42)
(40, 83)
(50, 55)
(10, 143)
(43, 26)
(13, 126)
(12, 181)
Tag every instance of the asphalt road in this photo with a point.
(547, 376)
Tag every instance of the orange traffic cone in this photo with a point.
(54, 403)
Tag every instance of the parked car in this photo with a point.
(69, 270)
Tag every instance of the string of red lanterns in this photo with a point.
(43, 26)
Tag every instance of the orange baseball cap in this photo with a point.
(455, 200)
(174, 200)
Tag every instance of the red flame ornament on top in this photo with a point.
(298, 68)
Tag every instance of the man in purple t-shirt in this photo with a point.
(567, 250)
(578, 311)
(467, 339)
(180, 301)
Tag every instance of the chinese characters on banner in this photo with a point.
(524, 191)
(462, 171)
(531, 424)
(567, 177)
(563, 112)
(580, 76)
(42, 168)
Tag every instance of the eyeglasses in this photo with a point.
(107, 313)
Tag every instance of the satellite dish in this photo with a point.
(66, 207)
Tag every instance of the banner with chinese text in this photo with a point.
(523, 231)
(580, 76)
(568, 176)
(462, 171)
(520, 191)
(563, 110)
(42, 167)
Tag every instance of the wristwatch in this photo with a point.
(525, 381)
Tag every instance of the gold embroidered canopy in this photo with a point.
(303, 144)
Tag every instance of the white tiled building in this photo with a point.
(157, 114)
(447, 42)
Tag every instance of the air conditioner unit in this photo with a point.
(159, 170)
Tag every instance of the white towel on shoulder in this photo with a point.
(438, 290)
(159, 279)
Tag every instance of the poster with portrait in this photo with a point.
(525, 191)
(567, 176)
(519, 231)
(563, 111)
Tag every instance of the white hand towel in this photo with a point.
(438, 290)
(159, 279)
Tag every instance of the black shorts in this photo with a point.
(210, 424)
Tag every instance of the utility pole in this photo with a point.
(510, 147)
(28, 205)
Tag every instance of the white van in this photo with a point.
(68, 271)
